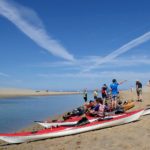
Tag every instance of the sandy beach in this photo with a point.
(132, 136)
(12, 92)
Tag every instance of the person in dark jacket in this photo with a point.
(85, 95)
(139, 90)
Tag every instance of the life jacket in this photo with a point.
(103, 90)
(101, 110)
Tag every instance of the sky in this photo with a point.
(73, 44)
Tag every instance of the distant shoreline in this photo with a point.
(11, 93)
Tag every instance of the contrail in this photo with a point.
(30, 24)
(140, 40)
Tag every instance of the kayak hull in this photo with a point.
(146, 112)
(64, 131)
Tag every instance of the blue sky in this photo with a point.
(73, 44)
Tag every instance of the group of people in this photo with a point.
(108, 102)
(109, 99)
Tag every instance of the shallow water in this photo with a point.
(17, 113)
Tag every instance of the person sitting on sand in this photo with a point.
(119, 108)
(139, 90)
(107, 107)
(115, 92)
(98, 109)
(90, 105)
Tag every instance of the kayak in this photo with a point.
(128, 105)
(71, 121)
(21, 137)
(74, 120)
(146, 112)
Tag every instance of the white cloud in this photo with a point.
(55, 64)
(127, 63)
(83, 62)
(4, 74)
(30, 24)
(123, 49)
(105, 75)
(79, 64)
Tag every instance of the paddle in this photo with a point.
(52, 121)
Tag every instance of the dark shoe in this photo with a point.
(83, 121)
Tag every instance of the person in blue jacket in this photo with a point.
(114, 92)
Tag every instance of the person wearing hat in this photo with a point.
(139, 90)
(115, 92)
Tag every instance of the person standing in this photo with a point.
(104, 92)
(139, 91)
(85, 95)
(114, 92)
(95, 94)
(131, 89)
(148, 84)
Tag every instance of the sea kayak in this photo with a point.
(71, 121)
(146, 112)
(128, 105)
(65, 130)
(74, 120)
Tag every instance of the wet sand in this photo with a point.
(132, 136)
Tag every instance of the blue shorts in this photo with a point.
(114, 96)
